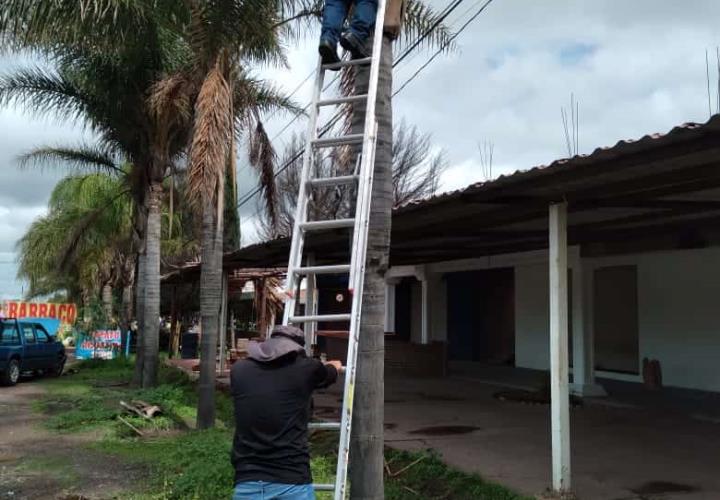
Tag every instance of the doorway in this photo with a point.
(617, 346)
(481, 316)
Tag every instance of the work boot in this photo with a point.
(352, 43)
(328, 53)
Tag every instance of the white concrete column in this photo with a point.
(559, 410)
(583, 330)
(426, 306)
(390, 285)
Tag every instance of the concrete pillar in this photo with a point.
(426, 307)
(583, 330)
(559, 407)
(390, 285)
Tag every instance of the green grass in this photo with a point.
(190, 464)
(56, 468)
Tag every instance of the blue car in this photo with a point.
(26, 346)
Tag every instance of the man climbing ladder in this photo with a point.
(354, 38)
(364, 104)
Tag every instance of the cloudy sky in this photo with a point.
(635, 67)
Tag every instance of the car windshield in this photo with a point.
(8, 333)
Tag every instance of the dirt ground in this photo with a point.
(38, 464)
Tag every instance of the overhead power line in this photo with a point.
(444, 14)
(427, 63)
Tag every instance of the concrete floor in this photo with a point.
(632, 445)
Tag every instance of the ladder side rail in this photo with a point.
(353, 341)
(298, 236)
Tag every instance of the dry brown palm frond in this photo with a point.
(171, 98)
(347, 88)
(268, 301)
(262, 157)
(211, 137)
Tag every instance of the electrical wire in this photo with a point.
(427, 63)
(444, 14)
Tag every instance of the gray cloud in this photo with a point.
(636, 67)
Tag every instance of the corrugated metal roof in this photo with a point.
(573, 176)
(623, 147)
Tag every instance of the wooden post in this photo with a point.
(311, 304)
(559, 410)
(233, 333)
(174, 333)
(223, 321)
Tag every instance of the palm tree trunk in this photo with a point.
(210, 299)
(366, 449)
(151, 316)
(107, 300)
(139, 311)
(174, 325)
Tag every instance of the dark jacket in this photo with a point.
(272, 410)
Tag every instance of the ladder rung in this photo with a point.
(320, 317)
(334, 269)
(319, 225)
(351, 62)
(343, 100)
(323, 487)
(324, 426)
(343, 140)
(333, 181)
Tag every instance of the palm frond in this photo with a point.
(300, 18)
(170, 97)
(83, 158)
(211, 137)
(421, 19)
(253, 95)
(262, 156)
(42, 92)
(102, 24)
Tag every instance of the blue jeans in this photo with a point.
(335, 13)
(262, 490)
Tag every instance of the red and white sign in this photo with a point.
(66, 313)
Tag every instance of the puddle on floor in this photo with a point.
(445, 430)
(661, 487)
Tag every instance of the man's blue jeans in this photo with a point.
(335, 13)
(262, 490)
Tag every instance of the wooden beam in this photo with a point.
(559, 391)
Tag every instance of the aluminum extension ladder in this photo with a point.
(362, 177)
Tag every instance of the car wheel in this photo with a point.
(12, 374)
(57, 370)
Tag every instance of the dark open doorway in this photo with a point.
(481, 316)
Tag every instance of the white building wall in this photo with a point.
(678, 314)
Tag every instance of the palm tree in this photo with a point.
(82, 244)
(226, 102)
(107, 55)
